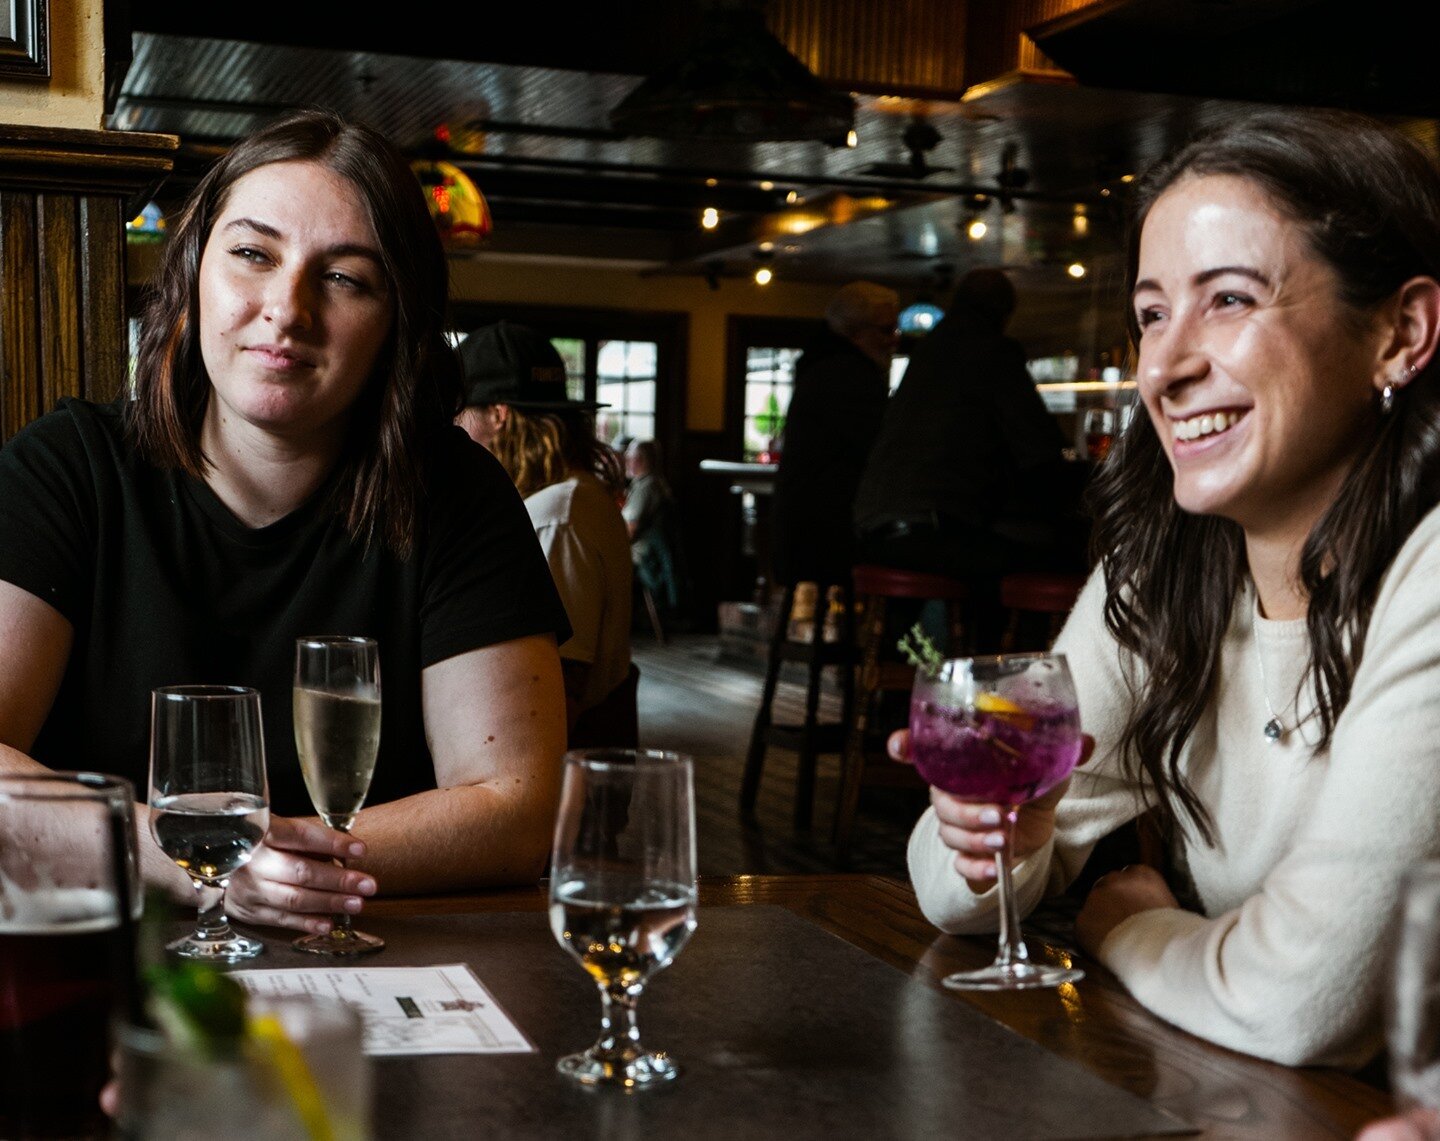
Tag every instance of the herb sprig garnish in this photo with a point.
(921, 652)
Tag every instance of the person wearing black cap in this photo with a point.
(517, 406)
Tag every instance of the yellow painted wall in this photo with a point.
(74, 96)
(535, 282)
(539, 283)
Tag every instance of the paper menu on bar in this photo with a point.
(406, 1010)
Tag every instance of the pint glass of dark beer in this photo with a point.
(69, 896)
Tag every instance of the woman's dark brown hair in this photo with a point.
(414, 391)
(1367, 201)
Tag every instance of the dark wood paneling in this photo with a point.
(60, 345)
(105, 344)
(19, 387)
(64, 196)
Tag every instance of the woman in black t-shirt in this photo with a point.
(288, 467)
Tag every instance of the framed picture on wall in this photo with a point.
(24, 39)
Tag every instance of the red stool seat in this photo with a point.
(891, 582)
(1041, 592)
(880, 671)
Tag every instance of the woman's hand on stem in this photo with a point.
(292, 880)
(975, 831)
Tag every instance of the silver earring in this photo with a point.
(1387, 399)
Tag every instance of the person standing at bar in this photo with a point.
(841, 385)
(965, 476)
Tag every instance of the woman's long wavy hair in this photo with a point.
(414, 391)
(541, 448)
(1367, 201)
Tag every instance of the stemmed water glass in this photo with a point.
(209, 801)
(337, 736)
(998, 730)
(622, 894)
(1412, 1010)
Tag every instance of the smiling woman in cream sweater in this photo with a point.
(1258, 655)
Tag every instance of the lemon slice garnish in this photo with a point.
(268, 1033)
(994, 703)
(997, 706)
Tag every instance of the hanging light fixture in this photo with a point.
(734, 81)
(460, 211)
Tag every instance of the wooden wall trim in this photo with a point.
(64, 198)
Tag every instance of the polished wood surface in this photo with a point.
(1095, 1024)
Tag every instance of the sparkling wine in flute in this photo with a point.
(623, 944)
(336, 709)
(337, 736)
(210, 834)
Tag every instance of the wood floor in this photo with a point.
(693, 701)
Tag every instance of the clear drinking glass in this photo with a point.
(305, 1077)
(622, 894)
(69, 899)
(337, 736)
(1413, 1001)
(999, 730)
(209, 801)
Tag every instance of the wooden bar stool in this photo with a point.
(810, 736)
(1037, 595)
(882, 670)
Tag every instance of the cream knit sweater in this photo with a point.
(1291, 957)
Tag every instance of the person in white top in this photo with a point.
(516, 405)
(1257, 654)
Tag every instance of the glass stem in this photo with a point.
(1011, 952)
(342, 928)
(211, 924)
(619, 1035)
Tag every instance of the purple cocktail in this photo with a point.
(1008, 755)
(998, 730)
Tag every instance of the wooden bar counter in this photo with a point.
(1095, 1025)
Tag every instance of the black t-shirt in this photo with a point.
(164, 586)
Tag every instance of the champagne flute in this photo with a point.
(337, 735)
(1000, 730)
(622, 894)
(209, 802)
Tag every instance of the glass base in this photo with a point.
(339, 942)
(235, 949)
(1015, 976)
(632, 1072)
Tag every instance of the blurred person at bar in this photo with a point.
(1257, 656)
(572, 483)
(650, 519)
(842, 381)
(288, 466)
(967, 477)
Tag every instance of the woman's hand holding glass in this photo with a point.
(292, 880)
(975, 831)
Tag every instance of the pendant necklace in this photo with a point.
(1274, 730)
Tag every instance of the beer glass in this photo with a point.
(69, 899)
